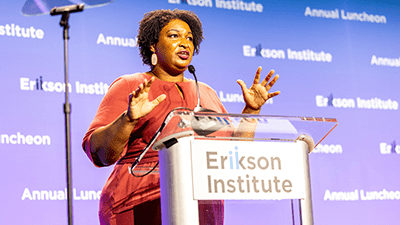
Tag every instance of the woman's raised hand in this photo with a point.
(139, 104)
(258, 94)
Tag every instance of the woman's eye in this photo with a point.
(173, 35)
(190, 38)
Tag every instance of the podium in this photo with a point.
(208, 156)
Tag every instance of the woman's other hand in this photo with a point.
(258, 94)
(139, 104)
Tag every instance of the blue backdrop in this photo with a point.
(338, 59)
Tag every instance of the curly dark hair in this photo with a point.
(154, 21)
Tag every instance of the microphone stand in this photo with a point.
(65, 11)
(198, 108)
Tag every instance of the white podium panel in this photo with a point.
(177, 203)
(242, 170)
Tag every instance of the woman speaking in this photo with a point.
(135, 106)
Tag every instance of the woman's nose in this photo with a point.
(184, 43)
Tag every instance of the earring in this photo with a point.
(154, 59)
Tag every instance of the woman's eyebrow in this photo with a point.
(177, 30)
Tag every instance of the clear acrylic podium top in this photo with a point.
(205, 125)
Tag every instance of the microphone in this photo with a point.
(204, 125)
(67, 9)
(198, 108)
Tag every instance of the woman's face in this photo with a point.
(175, 47)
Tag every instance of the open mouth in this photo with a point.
(183, 54)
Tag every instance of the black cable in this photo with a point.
(151, 142)
(145, 173)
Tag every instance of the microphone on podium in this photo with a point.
(203, 124)
(198, 108)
